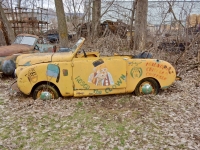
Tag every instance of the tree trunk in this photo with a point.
(140, 25)
(62, 24)
(6, 27)
(96, 14)
(131, 23)
(89, 18)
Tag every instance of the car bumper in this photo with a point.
(178, 78)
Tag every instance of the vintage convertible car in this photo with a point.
(24, 43)
(87, 74)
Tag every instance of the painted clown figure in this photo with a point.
(100, 76)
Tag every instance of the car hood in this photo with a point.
(37, 58)
(32, 59)
(14, 49)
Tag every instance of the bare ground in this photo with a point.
(169, 120)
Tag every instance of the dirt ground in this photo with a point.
(169, 120)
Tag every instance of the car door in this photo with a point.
(97, 73)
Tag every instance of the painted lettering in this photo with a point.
(32, 75)
(161, 77)
(114, 86)
(97, 91)
(108, 90)
(157, 70)
(77, 77)
(118, 83)
(123, 77)
(82, 83)
(154, 64)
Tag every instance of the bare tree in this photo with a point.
(131, 23)
(74, 11)
(62, 25)
(96, 15)
(6, 27)
(140, 25)
(19, 2)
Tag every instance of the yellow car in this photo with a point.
(87, 74)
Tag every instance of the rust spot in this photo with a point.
(14, 49)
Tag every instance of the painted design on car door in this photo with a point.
(53, 71)
(101, 75)
(95, 73)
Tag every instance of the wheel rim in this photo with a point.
(52, 96)
(147, 88)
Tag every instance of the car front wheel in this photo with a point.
(46, 91)
(147, 86)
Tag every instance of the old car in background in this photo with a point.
(54, 37)
(87, 74)
(24, 43)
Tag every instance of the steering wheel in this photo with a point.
(36, 47)
(84, 53)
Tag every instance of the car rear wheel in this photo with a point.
(52, 92)
(147, 86)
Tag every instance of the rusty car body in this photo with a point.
(89, 74)
(24, 43)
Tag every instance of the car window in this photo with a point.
(18, 39)
(27, 40)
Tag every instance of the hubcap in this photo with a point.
(45, 95)
(146, 88)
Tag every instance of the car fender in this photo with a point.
(138, 69)
(28, 76)
(59, 74)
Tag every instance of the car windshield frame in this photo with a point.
(25, 40)
(73, 49)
